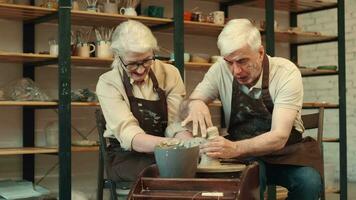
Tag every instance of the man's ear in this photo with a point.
(261, 52)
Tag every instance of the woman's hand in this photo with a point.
(219, 147)
(199, 114)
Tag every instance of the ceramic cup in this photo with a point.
(111, 8)
(177, 162)
(53, 50)
(197, 16)
(186, 57)
(155, 11)
(103, 50)
(218, 17)
(128, 11)
(75, 5)
(92, 9)
(85, 49)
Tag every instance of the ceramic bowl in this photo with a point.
(177, 162)
(200, 58)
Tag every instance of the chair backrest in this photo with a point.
(315, 121)
(101, 126)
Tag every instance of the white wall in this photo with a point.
(84, 168)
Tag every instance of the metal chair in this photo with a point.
(105, 183)
(310, 121)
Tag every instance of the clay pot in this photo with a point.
(177, 162)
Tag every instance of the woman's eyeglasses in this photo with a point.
(135, 65)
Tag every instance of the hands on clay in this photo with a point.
(199, 115)
(219, 147)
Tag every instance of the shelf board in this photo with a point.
(10, 57)
(332, 190)
(85, 148)
(331, 140)
(197, 66)
(292, 5)
(27, 150)
(44, 150)
(301, 37)
(319, 104)
(202, 28)
(46, 103)
(316, 72)
(23, 12)
(286, 5)
(304, 71)
(305, 104)
(92, 61)
(104, 19)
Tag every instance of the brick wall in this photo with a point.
(325, 88)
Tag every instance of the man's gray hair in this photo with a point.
(236, 34)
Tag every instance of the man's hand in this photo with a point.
(219, 147)
(199, 114)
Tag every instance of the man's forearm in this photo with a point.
(260, 145)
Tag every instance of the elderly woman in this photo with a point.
(139, 98)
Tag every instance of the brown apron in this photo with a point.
(252, 117)
(152, 117)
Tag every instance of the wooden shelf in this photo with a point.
(316, 72)
(26, 150)
(305, 104)
(301, 37)
(286, 5)
(23, 12)
(331, 140)
(332, 190)
(292, 5)
(46, 103)
(197, 66)
(210, 29)
(103, 19)
(319, 104)
(304, 71)
(201, 28)
(97, 62)
(85, 148)
(44, 150)
(10, 57)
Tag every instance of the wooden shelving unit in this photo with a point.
(43, 150)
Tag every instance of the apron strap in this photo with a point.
(266, 97)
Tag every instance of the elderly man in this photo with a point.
(139, 98)
(262, 100)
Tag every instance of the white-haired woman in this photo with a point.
(139, 98)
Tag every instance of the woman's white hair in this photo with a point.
(236, 34)
(132, 37)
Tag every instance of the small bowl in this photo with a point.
(186, 57)
(200, 58)
(214, 59)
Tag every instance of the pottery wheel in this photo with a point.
(221, 168)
